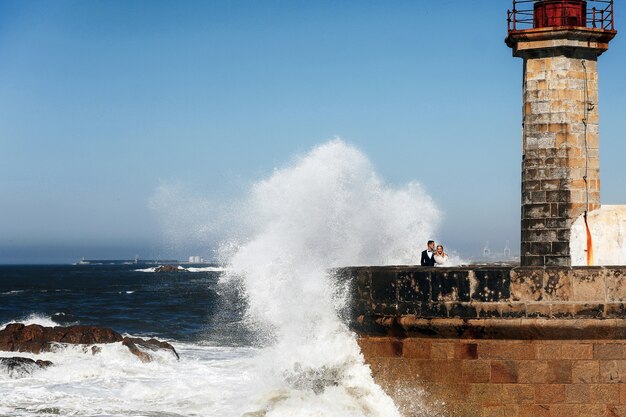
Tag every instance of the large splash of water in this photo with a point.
(327, 209)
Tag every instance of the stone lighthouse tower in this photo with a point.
(560, 42)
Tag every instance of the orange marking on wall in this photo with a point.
(589, 243)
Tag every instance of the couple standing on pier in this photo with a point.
(434, 257)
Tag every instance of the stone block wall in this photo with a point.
(485, 292)
(503, 377)
(560, 94)
(494, 341)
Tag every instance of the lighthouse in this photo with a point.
(560, 42)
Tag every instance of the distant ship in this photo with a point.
(135, 261)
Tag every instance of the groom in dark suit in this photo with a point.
(428, 256)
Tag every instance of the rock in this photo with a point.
(139, 346)
(34, 338)
(169, 268)
(143, 356)
(18, 366)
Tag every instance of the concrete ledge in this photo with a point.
(551, 40)
(562, 32)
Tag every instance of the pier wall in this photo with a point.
(494, 341)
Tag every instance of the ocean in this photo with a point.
(225, 368)
(267, 336)
(182, 306)
(187, 309)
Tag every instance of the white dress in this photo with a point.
(441, 260)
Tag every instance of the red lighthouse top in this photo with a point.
(551, 13)
(535, 14)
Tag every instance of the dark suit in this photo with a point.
(426, 260)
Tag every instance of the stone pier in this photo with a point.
(494, 341)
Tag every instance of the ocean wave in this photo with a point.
(205, 381)
(57, 319)
(327, 209)
(190, 269)
(33, 318)
(145, 270)
(11, 292)
(207, 269)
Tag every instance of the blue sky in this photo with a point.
(103, 102)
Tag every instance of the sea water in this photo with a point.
(263, 333)
(185, 308)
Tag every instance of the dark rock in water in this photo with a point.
(18, 366)
(36, 339)
(169, 268)
(139, 346)
(143, 356)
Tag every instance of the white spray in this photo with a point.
(327, 209)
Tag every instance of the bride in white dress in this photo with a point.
(441, 258)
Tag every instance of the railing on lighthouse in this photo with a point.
(533, 14)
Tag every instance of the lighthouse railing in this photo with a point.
(599, 14)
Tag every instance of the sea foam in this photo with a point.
(207, 381)
(327, 209)
(34, 318)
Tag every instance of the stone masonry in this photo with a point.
(560, 162)
(494, 341)
(407, 299)
(501, 378)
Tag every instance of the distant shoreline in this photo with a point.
(112, 262)
(140, 262)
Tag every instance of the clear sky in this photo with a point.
(104, 103)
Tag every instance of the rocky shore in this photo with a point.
(33, 338)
